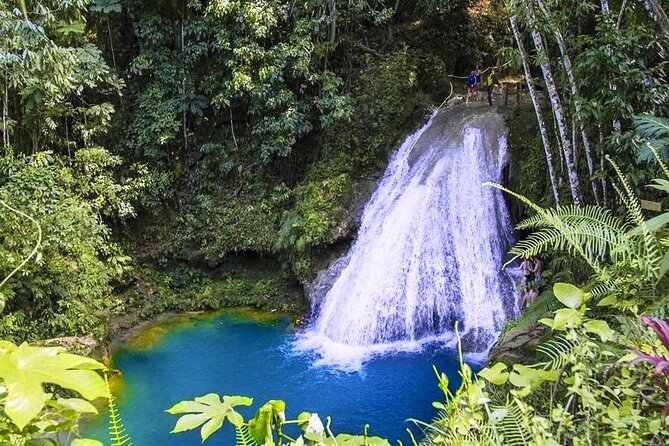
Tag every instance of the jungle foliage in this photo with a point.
(185, 132)
(145, 134)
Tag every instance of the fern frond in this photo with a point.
(513, 428)
(576, 215)
(602, 289)
(652, 257)
(244, 437)
(557, 351)
(586, 240)
(555, 223)
(117, 433)
(658, 158)
(652, 127)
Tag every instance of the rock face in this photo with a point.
(513, 346)
(83, 345)
(343, 234)
(363, 189)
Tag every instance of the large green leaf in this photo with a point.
(209, 412)
(25, 369)
(524, 376)
(42, 442)
(86, 442)
(571, 296)
(270, 414)
(359, 440)
(496, 374)
(600, 328)
(346, 440)
(566, 317)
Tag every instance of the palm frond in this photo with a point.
(117, 433)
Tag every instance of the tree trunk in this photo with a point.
(658, 15)
(333, 22)
(537, 108)
(5, 115)
(619, 22)
(566, 61)
(606, 11)
(558, 112)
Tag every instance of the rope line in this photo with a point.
(482, 72)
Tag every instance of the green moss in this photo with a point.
(529, 159)
(543, 306)
(184, 288)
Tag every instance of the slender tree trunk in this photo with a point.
(619, 22)
(558, 112)
(574, 140)
(184, 116)
(333, 22)
(537, 108)
(658, 15)
(566, 61)
(604, 188)
(111, 42)
(5, 114)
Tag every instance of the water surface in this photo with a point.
(234, 354)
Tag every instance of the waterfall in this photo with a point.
(429, 250)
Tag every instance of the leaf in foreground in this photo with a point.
(209, 412)
(25, 369)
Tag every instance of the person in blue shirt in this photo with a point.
(472, 83)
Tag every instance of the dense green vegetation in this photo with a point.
(149, 145)
(188, 132)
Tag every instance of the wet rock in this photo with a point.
(515, 344)
(83, 345)
(475, 340)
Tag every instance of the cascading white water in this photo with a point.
(429, 250)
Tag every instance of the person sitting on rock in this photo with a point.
(530, 296)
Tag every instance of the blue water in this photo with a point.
(234, 355)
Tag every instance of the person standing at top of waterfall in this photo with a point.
(471, 85)
(490, 83)
(479, 80)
